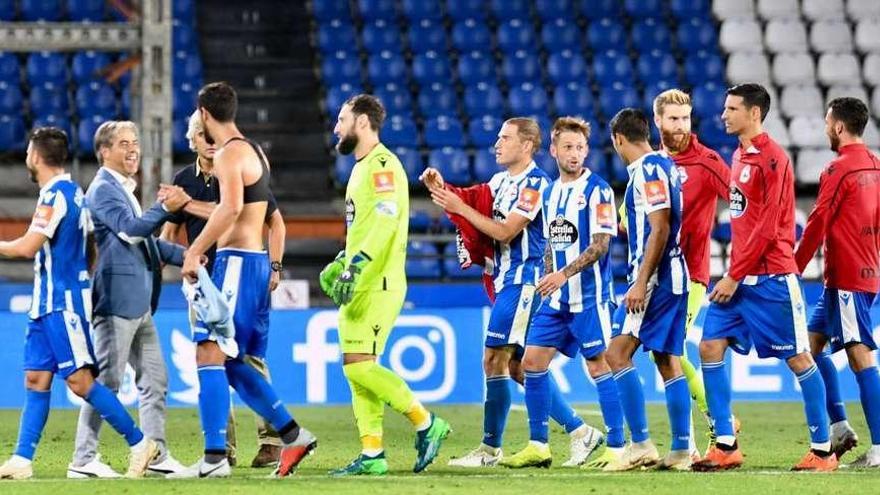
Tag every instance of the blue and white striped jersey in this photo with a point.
(521, 261)
(61, 277)
(575, 211)
(654, 185)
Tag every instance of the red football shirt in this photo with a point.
(761, 210)
(705, 177)
(847, 218)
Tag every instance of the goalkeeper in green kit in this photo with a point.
(368, 282)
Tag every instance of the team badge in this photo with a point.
(383, 182)
(746, 174)
(655, 192)
(528, 200)
(605, 215)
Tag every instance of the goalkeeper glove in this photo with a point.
(343, 287)
(331, 272)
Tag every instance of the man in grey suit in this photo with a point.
(127, 281)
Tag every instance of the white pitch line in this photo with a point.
(585, 412)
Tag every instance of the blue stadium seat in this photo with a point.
(411, 160)
(722, 231)
(371, 10)
(483, 99)
(386, 67)
(86, 10)
(561, 34)
(606, 34)
(484, 165)
(49, 98)
(712, 133)
(516, 34)
(470, 35)
(504, 10)
(431, 67)
(708, 99)
(726, 152)
(336, 96)
(597, 162)
(566, 66)
(97, 98)
(612, 66)
(684, 10)
(427, 35)
(85, 135)
(381, 35)
(600, 136)
(341, 67)
(184, 10)
(452, 268)
(476, 67)
(444, 131)
(651, 34)
(125, 103)
(459, 10)
(444, 224)
(522, 66)
(546, 162)
(342, 167)
(617, 96)
(396, 99)
(187, 68)
(655, 65)
(184, 100)
(527, 99)
(574, 98)
(617, 170)
(417, 10)
(9, 69)
(619, 257)
(438, 99)
(653, 89)
(703, 66)
(550, 10)
(12, 134)
(599, 9)
(7, 10)
(11, 98)
(336, 35)
(45, 67)
(58, 121)
(179, 142)
(85, 65)
(420, 221)
(422, 260)
(697, 34)
(325, 10)
(483, 131)
(40, 10)
(400, 131)
(640, 9)
(184, 37)
(545, 124)
(453, 164)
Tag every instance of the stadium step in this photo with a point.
(251, 15)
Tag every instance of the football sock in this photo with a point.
(105, 402)
(495, 409)
(718, 398)
(258, 394)
(695, 385)
(538, 401)
(678, 405)
(388, 388)
(369, 412)
(813, 390)
(869, 391)
(33, 419)
(612, 414)
(834, 404)
(632, 400)
(214, 407)
(560, 410)
(371, 445)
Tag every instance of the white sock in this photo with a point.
(540, 445)
(17, 460)
(727, 440)
(822, 447)
(490, 449)
(372, 452)
(140, 445)
(580, 431)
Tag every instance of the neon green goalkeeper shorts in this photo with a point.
(695, 302)
(366, 322)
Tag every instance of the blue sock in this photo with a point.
(495, 409)
(834, 404)
(214, 407)
(33, 420)
(612, 413)
(718, 397)
(560, 410)
(869, 390)
(678, 405)
(107, 404)
(632, 400)
(257, 393)
(813, 389)
(538, 401)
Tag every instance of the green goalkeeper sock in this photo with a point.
(368, 414)
(384, 384)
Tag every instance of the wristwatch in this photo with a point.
(276, 266)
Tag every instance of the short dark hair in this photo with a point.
(852, 112)
(220, 100)
(753, 95)
(369, 105)
(631, 123)
(51, 144)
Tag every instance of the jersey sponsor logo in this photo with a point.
(655, 192)
(388, 208)
(42, 216)
(528, 199)
(563, 233)
(738, 202)
(349, 212)
(605, 215)
(383, 182)
(746, 174)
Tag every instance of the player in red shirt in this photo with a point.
(759, 301)
(846, 218)
(704, 179)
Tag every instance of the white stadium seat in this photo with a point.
(775, 127)
(815, 10)
(871, 69)
(748, 67)
(794, 68)
(871, 136)
(810, 163)
(729, 9)
(808, 132)
(786, 35)
(778, 9)
(802, 100)
(838, 68)
(741, 35)
(831, 36)
(813, 270)
(852, 90)
(861, 9)
(875, 101)
(868, 35)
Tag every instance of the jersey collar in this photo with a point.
(53, 181)
(525, 172)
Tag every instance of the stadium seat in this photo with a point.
(471, 35)
(381, 35)
(516, 34)
(451, 266)
(778, 9)
(695, 34)
(520, 67)
(418, 10)
(656, 64)
(40, 10)
(184, 10)
(10, 71)
(748, 67)
(567, 66)
(651, 34)
(179, 142)
(400, 131)
(810, 163)
(786, 35)
(342, 167)
(870, 69)
(459, 10)
(606, 34)
(336, 96)
(372, 10)
(43, 67)
(527, 99)
(708, 99)
(85, 66)
(396, 99)
(600, 9)
(552, 10)
(85, 135)
(187, 68)
(452, 164)
(12, 133)
(419, 221)
(476, 67)
(547, 163)
(610, 67)
(722, 232)
(831, 36)
(411, 160)
(49, 98)
(741, 35)
(427, 35)
(561, 34)
(794, 68)
(86, 10)
(505, 10)
(871, 135)
(597, 162)
(341, 68)
(431, 67)
(438, 99)
(600, 136)
(484, 165)
(60, 122)
(712, 132)
(850, 90)
(574, 99)
(817, 10)
(184, 100)
(11, 99)
(386, 67)
(834, 68)
(703, 66)
(775, 127)
(617, 96)
(483, 99)
(617, 170)
(808, 132)
(336, 35)
(7, 10)
(862, 9)
(422, 260)
(184, 37)
(97, 98)
(125, 103)
(326, 10)
(866, 38)
(729, 9)
(483, 131)
(801, 100)
(639, 9)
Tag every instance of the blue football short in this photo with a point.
(587, 332)
(512, 315)
(59, 342)
(844, 317)
(661, 327)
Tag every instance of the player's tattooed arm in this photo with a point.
(594, 251)
(548, 258)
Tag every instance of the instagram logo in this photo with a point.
(421, 350)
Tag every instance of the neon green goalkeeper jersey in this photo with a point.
(377, 219)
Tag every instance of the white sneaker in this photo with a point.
(166, 467)
(202, 469)
(482, 456)
(93, 469)
(637, 455)
(676, 460)
(843, 438)
(870, 459)
(583, 446)
(140, 457)
(16, 468)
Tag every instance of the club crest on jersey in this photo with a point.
(605, 215)
(528, 199)
(383, 182)
(581, 202)
(683, 175)
(562, 233)
(746, 174)
(655, 192)
(738, 202)
(42, 216)
(349, 212)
